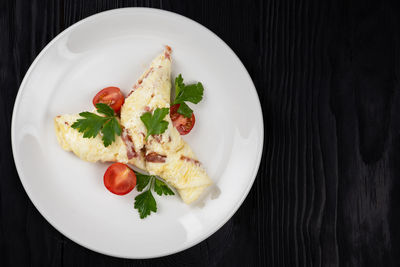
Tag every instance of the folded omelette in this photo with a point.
(166, 155)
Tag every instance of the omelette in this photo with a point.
(166, 155)
(93, 149)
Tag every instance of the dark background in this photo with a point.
(327, 192)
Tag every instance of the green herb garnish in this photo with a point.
(155, 122)
(145, 202)
(187, 93)
(92, 124)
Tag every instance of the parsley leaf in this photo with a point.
(192, 93)
(142, 180)
(155, 123)
(185, 110)
(110, 128)
(161, 188)
(145, 204)
(92, 124)
(105, 109)
(179, 85)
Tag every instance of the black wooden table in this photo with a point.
(327, 192)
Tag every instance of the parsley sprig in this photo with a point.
(155, 122)
(91, 124)
(145, 202)
(187, 93)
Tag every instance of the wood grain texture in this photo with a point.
(327, 74)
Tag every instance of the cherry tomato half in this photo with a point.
(181, 123)
(119, 179)
(111, 96)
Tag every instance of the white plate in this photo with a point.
(113, 48)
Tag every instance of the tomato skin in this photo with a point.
(111, 96)
(181, 123)
(119, 179)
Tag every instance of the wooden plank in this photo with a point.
(327, 76)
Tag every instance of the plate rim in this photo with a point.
(22, 86)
